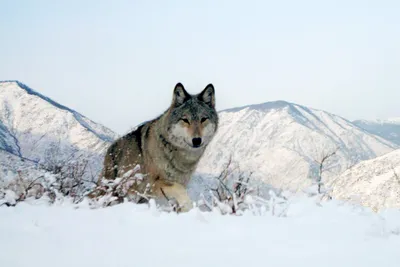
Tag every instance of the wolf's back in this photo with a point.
(122, 153)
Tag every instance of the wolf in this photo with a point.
(167, 149)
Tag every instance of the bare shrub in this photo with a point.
(234, 194)
(62, 177)
(111, 192)
(22, 188)
(323, 164)
(72, 174)
(396, 175)
(69, 180)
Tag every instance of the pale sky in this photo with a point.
(117, 61)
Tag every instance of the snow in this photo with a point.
(9, 163)
(38, 124)
(388, 129)
(394, 120)
(373, 183)
(334, 234)
(39, 129)
(280, 142)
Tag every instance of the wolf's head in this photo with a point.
(192, 119)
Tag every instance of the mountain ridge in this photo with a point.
(76, 114)
(293, 108)
(388, 129)
(37, 128)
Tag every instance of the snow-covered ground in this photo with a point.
(34, 234)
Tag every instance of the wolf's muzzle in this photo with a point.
(196, 142)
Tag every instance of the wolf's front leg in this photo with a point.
(174, 191)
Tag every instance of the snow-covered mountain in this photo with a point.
(388, 129)
(280, 142)
(374, 183)
(37, 128)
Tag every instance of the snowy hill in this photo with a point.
(388, 129)
(37, 128)
(373, 183)
(280, 142)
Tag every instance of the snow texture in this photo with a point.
(373, 183)
(33, 234)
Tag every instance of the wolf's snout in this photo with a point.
(196, 142)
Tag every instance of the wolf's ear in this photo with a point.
(180, 95)
(208, 95)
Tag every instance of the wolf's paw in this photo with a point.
(177, 197)
(185, 207)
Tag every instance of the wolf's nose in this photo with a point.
(196, 142)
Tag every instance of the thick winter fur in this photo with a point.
(167, 148)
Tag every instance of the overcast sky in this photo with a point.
(118, 61)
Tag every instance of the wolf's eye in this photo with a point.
(185, 120)
(203, 119)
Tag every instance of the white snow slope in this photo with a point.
(35, 127)
(280, 142)
(373, 183)
(132, 235)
